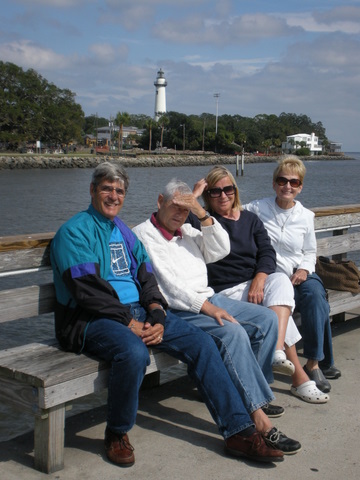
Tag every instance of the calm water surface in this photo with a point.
(41, 200)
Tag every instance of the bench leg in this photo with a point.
(49, 440)
(338, 318)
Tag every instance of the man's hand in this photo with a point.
(256, 291)
(216, 312)
(136, 327)
(152, 335)
(189, 201)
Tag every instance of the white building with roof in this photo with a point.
(299, 140)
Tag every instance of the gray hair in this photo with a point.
(175, 186)
(111, 172)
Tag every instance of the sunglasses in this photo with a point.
(217, 191)
(294, 182)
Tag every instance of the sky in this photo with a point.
(260, 56)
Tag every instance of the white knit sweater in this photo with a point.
(180, 263)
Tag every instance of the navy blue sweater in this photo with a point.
(251, 252)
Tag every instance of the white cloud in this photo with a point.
(106, 53)
(30, 55)
(236, 30)
(342, 19)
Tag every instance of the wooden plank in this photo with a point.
(336, 221)
(11, 261)
(329, 246)
(20, 242)
(336, 210)
(26, 302)
(16, 393)
(49, 437)
(343, 301)
(59, 376)
(43, 365)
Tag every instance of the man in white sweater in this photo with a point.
(245, 333)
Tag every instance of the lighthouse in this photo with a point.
(160, 95)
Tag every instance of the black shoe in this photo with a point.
(318, 377)
(278, 440)
(331, 372)
(273, 411)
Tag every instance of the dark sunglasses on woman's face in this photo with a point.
(294, 182)
(217, 191)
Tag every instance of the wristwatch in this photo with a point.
(205, 217)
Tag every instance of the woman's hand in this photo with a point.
(299, 277)
(199, 188)
(256, 290)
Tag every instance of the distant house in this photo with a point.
(294, 142)
(90, 140)
(334, 147)
(104, 133)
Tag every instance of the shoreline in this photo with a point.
(11, 162)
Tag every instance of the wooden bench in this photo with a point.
(39, 377)
(44, 380)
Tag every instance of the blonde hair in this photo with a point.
(218, 173)
(290, 164)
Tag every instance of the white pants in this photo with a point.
(278, 290)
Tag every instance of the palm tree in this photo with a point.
(163, 122)
(150, 124)
(121, 120)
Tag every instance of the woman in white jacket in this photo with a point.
(291, 229)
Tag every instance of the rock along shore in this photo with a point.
(10, 162)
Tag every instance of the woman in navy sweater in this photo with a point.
(248, 273)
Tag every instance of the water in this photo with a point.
(34, 201)
(41, 200)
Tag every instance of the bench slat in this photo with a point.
(26, 302)
(343, 301)
(13, 260)
(338, 244)
(20, 242)
(44, 364)
(336, 221)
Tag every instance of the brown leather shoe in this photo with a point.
(253, 447)
(118, 449)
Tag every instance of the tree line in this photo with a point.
(31, 108)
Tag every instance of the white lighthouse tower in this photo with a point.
(160, 95)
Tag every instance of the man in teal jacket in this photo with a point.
(109, 305)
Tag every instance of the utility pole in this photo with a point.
(183, 125)
(216, 96)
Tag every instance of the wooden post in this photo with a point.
(49, 440)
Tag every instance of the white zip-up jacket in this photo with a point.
(293, 239)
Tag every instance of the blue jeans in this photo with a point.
(129, 357)
(311, 302)
(247, 349)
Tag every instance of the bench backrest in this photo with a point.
(337, 230)
(23, 255)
